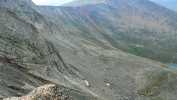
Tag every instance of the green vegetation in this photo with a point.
(104, 58)
(111, 40)
(158, 98)
(148, 91)
(33, 59)
(158, 82)
(161, 50)
(48, 71)
(85, 33)
(144, 52)
(152, 88)
(84, 51)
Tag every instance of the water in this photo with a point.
(172, 64)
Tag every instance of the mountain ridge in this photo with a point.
(81, 2)
(171, 4)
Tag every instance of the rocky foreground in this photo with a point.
(46, 92)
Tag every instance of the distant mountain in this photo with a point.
(171, 4)
(140, 27)
(83, 2)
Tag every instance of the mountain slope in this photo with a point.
(28, 60)
(66, 46)
(139, 27)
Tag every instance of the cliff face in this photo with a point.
(20, 43)
(75, 46)
(27, 59)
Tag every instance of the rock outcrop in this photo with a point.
(25, 53)
(46, 92)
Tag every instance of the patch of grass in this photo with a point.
(94, 40)
(33, 59)
(104, 58)
(144, 52)
(75, 51)
(148, 91)
(84, 51)
(162, 81)
(152, 88)
(48, 71)
(158, 98)
(110, 39)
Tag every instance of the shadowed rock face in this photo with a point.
(31, 38)
(27, 59)
(21, 44)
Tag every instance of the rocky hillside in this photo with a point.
(74, 48)
(139, 27)
(27, 59)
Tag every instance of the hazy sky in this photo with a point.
(51, 2)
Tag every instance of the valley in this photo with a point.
(151, 35)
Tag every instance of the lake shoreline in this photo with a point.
(172, 64)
